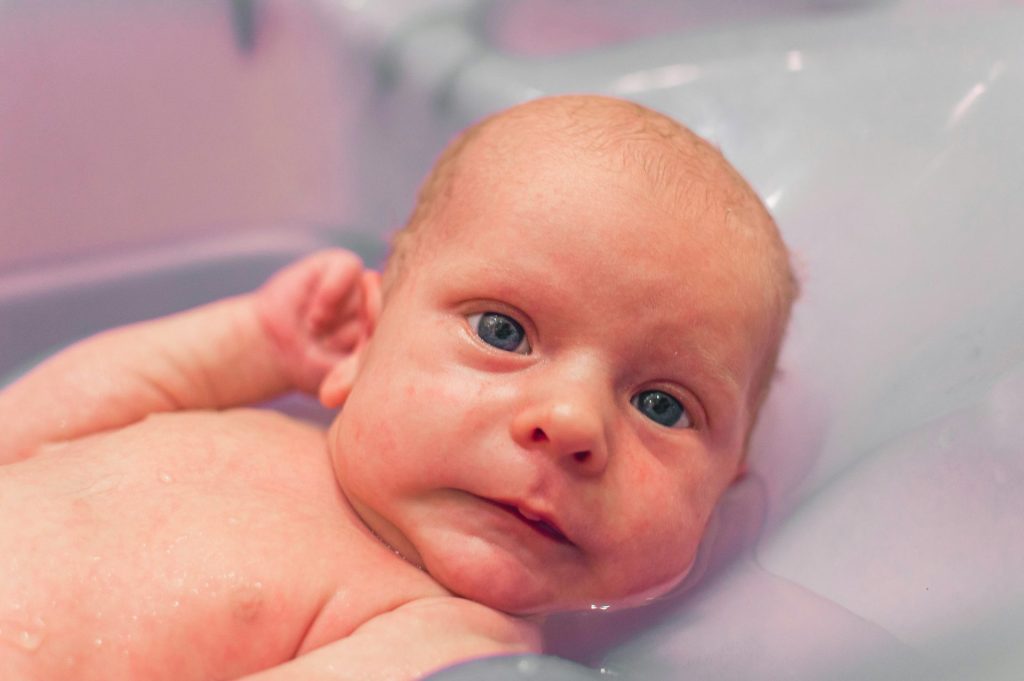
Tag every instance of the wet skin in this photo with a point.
(448, 431)
(189, 545)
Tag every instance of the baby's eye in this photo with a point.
(662, 408)
(501, 331)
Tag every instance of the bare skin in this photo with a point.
(527, 428)
(171, 536)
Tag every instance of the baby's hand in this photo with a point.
(315, 312)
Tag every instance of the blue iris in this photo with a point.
(500, 331)
(660, 407)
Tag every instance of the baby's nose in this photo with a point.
(571, 430)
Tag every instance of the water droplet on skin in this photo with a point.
(26, 638)
(29, 640)
(166, 477)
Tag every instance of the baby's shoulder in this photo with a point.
(248, 443)
(245, 424)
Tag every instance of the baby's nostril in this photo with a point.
(581, 456)
(538, 435)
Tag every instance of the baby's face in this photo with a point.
(557, 392)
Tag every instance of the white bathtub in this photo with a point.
(881, 534)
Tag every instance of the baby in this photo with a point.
(544, 397)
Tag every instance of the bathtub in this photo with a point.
(880, 533)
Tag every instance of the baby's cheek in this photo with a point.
(671, 531)
(397, 414)
(443, 397)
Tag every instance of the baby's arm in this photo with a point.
(411, 641)
(236, 351)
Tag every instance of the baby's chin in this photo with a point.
(529, 599)
(634, 598)
(653, 592)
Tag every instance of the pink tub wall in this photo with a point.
(123, 123)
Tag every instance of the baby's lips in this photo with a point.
(542, 522)
(537, 518)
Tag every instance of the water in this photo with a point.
(26, 637)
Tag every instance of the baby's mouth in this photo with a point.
(544, 527)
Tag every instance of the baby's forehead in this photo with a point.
(651, 155)
(550, 144)
(675, 185)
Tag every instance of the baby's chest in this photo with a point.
(153, 553)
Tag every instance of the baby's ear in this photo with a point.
(338, 381)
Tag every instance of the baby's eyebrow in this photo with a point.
(721, 372)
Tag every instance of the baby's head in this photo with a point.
(579, 325)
